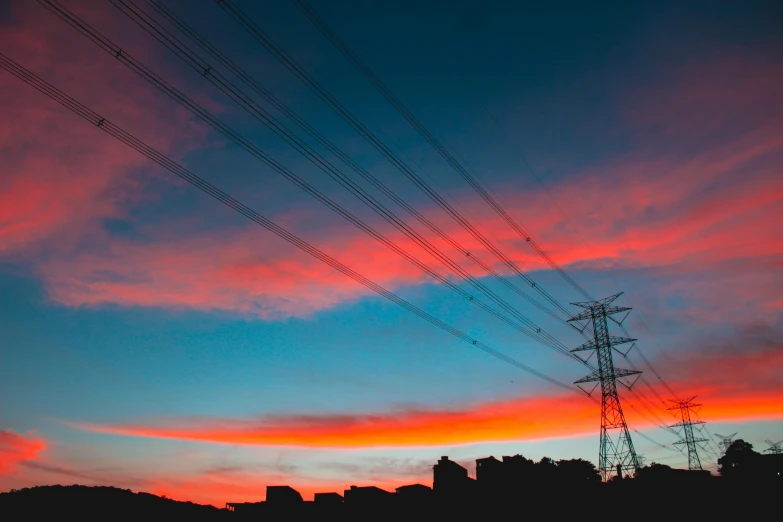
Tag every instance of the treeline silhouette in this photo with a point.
(749, 485)
(98, 502)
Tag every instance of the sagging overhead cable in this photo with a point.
(254, 31)
(118, 133)
(527, 328)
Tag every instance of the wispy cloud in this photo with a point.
(710, 205)
(59, 176)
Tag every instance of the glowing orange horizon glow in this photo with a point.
(498, 421)
(218, 489)
(512, 420)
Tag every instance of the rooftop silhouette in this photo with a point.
(749, 483)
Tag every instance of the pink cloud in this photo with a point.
(691, 224)
(244, 271)
(16, 449)
(58, 175)
(691, 205)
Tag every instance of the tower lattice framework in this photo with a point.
(725, 441)
(616, 454)
(776, 448)
(686, 424)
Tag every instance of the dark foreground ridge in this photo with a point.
(92, 503)
(511, 488)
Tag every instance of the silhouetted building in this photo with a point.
(283, 495)
(450, 477)
(328, 499)
(414, 491)
(489, 470)
(666, 473)
(279, 499)
(366, 495)
(246, 508)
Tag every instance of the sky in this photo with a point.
(153, 339)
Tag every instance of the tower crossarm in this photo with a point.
(611, 340)
(681, 424)
(692, 440)
(595, 376)
(606, 301)
(774, 447)
(606, 312)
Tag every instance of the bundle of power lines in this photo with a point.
(161, 23)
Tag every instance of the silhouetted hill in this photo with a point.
(98, 502)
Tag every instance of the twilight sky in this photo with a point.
(153, 339)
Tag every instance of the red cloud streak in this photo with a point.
(511, 420)
(15, 449)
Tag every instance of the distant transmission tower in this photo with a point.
(725, 441)
(774, 447)
(685, 406)
(616, 454)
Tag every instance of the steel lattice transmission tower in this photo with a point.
(725, 441)
(774, 447)
(684, 407)
(616, 455)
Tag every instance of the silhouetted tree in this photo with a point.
(739, 461)
(578, 470)
(654, 471)
(546, 469)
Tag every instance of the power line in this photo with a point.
(207, 47)
(218, 80)
(530, 168)
(650, 439)
(248, 25)
(118, 53)
(203, 185)
(433, 141)
(199, 64)
(305, 77)
(529, 328)
(582, 239)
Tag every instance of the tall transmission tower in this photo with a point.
(616, 454)
(685, 406)
(774, 447)
(725, 441)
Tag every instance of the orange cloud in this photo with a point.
(510, 420)
(519, 419)
(734, 386)
(16, 449)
